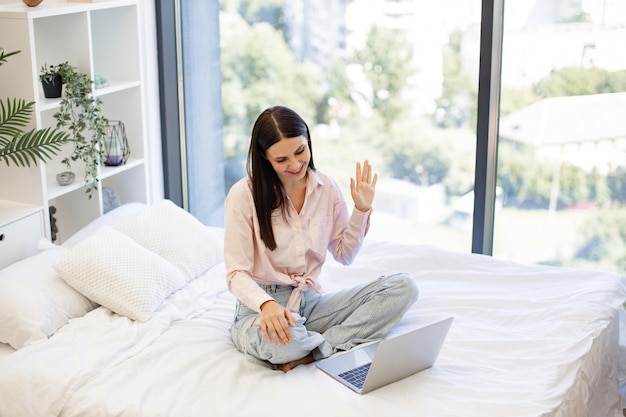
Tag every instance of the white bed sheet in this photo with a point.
(526, 341)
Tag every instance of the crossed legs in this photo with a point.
(329, 322)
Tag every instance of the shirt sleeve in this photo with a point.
(239, 247)
(347, 233)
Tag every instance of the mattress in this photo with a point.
(526, 340)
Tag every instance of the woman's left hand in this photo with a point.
(363, 187)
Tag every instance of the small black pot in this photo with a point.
(53, 88)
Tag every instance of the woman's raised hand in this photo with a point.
(363, 186)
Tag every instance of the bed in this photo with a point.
(526, 340)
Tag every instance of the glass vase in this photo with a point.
(115, 144)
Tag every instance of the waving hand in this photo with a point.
(363, 186)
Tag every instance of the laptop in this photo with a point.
(371, 366)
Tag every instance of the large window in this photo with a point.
(391, 81)
(562, 144)
(539, 144)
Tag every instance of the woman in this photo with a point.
(280, 222)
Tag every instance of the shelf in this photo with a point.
(115, 87)
(55, 190)
(11, 211)
(106, 171)
(19, 10)
(47, 104)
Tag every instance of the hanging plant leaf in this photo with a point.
(80, 115)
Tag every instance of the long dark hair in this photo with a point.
(271, 126)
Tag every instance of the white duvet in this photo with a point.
(526, 341)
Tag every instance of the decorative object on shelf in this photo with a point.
(115, 143)
(54, 229)
(51, 77)
(101, 81)
(17, 146)
(79, 113)
(110, 199)
(65, 178)
(32, 3)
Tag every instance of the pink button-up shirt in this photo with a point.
(302, 242)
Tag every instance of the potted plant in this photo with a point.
(17, 146)
(80, 114)
(51, 77)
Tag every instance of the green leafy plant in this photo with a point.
(17, 146)
(5, 55)
(80, 114)
(49, 73)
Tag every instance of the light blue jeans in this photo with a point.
(328, 322)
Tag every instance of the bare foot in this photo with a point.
(286, 367)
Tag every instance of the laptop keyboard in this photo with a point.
(356, 376)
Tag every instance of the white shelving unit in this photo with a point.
(101, 38)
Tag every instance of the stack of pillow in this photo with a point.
(128, 266)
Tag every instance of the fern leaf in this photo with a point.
(15, 115)
(5, 55)
(34, 146)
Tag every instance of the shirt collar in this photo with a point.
(314, 178)
(313, 181)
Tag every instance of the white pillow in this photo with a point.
(177, 236)
(35, 301)
(114, 271)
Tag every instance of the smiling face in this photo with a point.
(290, 158)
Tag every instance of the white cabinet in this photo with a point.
(99, 39)
(21, 227)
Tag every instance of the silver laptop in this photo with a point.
(371, 366)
